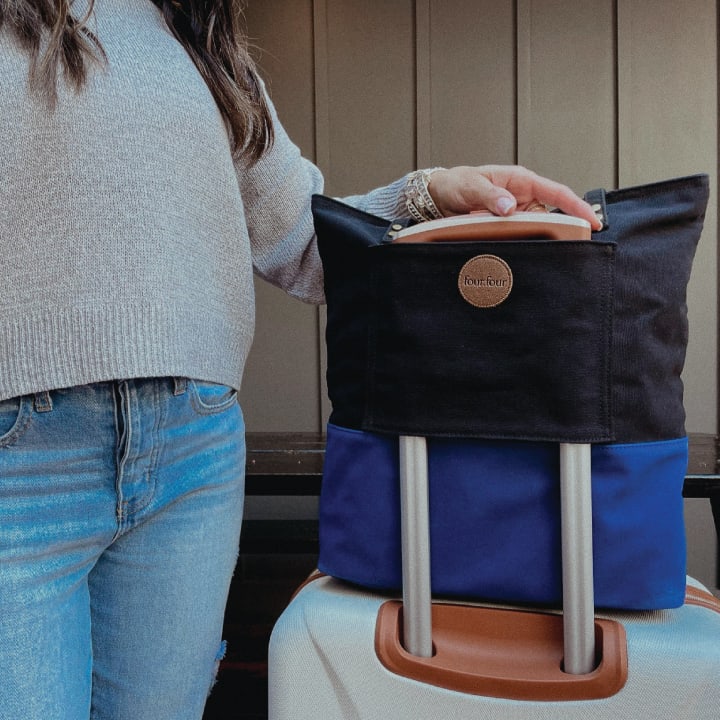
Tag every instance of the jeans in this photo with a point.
(120, 514)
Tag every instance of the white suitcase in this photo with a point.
(339, 652)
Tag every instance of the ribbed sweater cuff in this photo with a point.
(65, 347)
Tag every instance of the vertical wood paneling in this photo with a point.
(566, 91)
(370, 93)
(472, 83)
(282, 36)
(423, 85)
(667, 68)
(322, 143)
(667, 56)
(322, 90)
(281, 387)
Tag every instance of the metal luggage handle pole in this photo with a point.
(415, 531)
(577, 562)
(577, 558)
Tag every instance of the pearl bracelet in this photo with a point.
(418, 201)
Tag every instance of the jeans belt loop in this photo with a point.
(43, 402)
(180, 385)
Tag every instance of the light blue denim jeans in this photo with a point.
(120, 514)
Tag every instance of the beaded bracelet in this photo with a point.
(418, 201)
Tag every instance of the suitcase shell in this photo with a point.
(324, 663)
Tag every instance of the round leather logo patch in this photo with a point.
(485, 281)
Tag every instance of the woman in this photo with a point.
(146, 178)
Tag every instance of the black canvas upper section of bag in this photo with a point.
(588, 347)
(656, 228)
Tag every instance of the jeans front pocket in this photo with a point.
(209, 398)
(15, 414)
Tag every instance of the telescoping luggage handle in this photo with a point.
(575, 474)
(576, 519)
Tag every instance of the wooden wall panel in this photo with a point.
(281, 387)
(667, 57)
(282, 35)
(370, 92)
(566, 91)
(468, 84)
(667, 69)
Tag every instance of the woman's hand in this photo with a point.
(503, 189)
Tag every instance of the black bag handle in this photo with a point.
(596, 199)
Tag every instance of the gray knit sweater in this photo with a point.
(128, 235)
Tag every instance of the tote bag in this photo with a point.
(588, 346)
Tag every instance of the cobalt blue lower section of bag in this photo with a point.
(494, 518)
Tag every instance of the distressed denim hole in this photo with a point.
(216, 668)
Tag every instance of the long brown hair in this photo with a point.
(209, 30)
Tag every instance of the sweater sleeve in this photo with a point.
(386, 202)
(277, 192)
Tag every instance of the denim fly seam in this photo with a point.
(138, 448)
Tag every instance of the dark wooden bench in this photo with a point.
(703, 480)
(283, 464)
